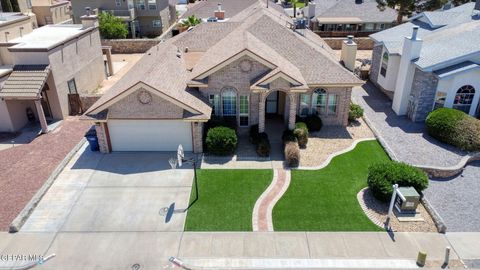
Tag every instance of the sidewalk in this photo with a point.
(151, 250)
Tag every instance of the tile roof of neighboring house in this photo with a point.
(25, 81)
(365, 11)
(206, 9)
(263, 32)
(446, 35)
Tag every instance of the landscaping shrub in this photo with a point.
(355, 112)
(263, 146)
(301, 125)
(288, 136)
(314, 123)
(382, 176)
(302, 137)
(221, 141)
(254, 134)
(292, 154)
(454, 127)
(219, 121)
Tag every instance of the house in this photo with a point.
(216, 9)
(43, 73)
(339, 18)
(250, 67)
(144, 17)
(430, 62)
(52, 11)
(15, 24)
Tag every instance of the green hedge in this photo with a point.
(263, 146)
(454, 127)
(355, 112)
(314, 123)
(219, 121)
(221, 141)
(382, 176)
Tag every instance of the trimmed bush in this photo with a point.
(221, 141)
(292, 154)
(454, 127)
(288, 136)
(301, 125)
(302, 137)
(219, 121)
(314, 123)
(382, 176)
(355, 112)
(263, 146)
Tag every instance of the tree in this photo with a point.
(190, 21)
(407, 7)
(7, 6)
(112, 27)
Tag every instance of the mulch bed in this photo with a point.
(25, 168)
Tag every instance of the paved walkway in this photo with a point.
(456, 199)
(407, 140)
(262, 220)
(25, 168)
(151, 250)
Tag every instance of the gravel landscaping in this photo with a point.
(330, 140)
(407, 140)
(456, 199)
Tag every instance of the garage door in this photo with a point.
(149, 135)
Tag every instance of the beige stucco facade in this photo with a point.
(49, 12)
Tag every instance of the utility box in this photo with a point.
(407, 200)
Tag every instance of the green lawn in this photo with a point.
(226, 199)
(325, 200)
(300, 5)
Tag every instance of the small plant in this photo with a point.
(302, 137)
(190, 21)
(382, 176)
(355, 112)
(221, 141)
(314, 123)
(292, 154)
(263, 146)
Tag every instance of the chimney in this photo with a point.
(219, 13)
(89, 20)
(311, 9)
(412, 46)
(349, 53)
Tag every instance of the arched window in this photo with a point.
(319, 101)
(383, 69)
(464, 98)
(229, 102)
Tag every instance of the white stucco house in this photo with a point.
(431, 61)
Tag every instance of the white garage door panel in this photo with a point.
(149, 135)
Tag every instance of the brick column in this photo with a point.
(292, 113)
(102, 137)
(197, 133)
(261, 112)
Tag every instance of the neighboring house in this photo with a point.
(246, 68)
(52, 12)
(339, 18)
(437, 66)
(43, 70)
(209, 9)
(144, 17)
(13, 25)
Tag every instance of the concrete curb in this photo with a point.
(437, 219)
(18, 222)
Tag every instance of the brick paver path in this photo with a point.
(25, 168)
(262, 212)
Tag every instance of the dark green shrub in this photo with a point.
(454, 127)
(263, 146)
(292, 154)
(382, 176)
(302, 137)
(219, 121)
(221, 141)
(355, 112)
(314, 123)
(301, 125)
(288, 136)
(254, 134)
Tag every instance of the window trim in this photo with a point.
(214, 100)
(233, 91)
(74, 86)
(244, 114)
(157, 26)
(307, 105)
(384, 64)
(328, 112)
(461, 95)
(314, 101)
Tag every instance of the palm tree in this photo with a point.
(190, 21)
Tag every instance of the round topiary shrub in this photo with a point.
(382, 176)
(221, 141)
(314, 123)
(301, 125)
(454, 127)
(302, 137)
(263, 146)
(355, 112)
(292, 154)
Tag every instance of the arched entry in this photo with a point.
(277, 108)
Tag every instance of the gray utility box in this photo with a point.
(407, 200)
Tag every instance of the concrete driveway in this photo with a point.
(119, 192)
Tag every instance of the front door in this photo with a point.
(46, 105)
(271, 103)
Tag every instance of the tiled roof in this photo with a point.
(25, 81)
(206, 9)
(366, 10)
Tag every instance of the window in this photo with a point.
(72, 87)
(157, 23)
(118, 3)
(464, 98)
(383, 68)
(215, 102)
(319, 101)
(229, 102)
(141, 4)
(304, 104)
(244, 111)
(440, 100)
(152, 4)
(332, 104)
(369, 26)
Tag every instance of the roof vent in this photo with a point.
(179, 54)
(414, 33)
(186, 49)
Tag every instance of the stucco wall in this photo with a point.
(18, 112)
(130, 107)
(14, 29)
(423, 94)
(58, 13)
(130, 45)
(362, 43)
(450, 85)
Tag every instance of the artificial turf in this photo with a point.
(226, 199)
(326, 199)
